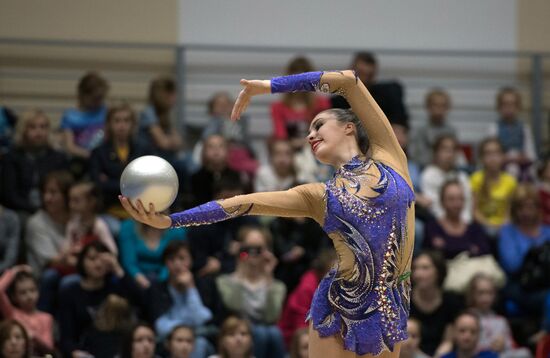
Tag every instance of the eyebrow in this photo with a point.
(315, 121)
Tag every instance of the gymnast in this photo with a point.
(360, 308)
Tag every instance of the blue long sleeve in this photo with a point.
(128, 252)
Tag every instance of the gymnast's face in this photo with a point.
(327, 135)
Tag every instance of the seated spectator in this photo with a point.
(99, 276)
(9, 238)
(442, 169)
(111, 156)
(433, 307)
(296, 110)
(28, 162)
(544, 190)
(177, 300)
(300, 344)
(450, 234)
(515, 135)
(18, 298)
(139, 342)
(180, 342)
(388, 94)
(7, 125)
(492, 187)
(466, 332)
(214, 168)
(296, 243)
(215, 247)
(495, 331)
(437, 104)
(253, 292)
(45, 231)
(113, 318)
(83, 126)
(279, 174)
(410, 348)
(235, 340)
(14, 340)
(299, 301)
(141, 248)
(524, 232)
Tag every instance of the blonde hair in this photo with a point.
(472, 286)
(230, 326)
(245, 230)
(114, 314)
(23, 122)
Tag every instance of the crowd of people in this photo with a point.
(80, 279)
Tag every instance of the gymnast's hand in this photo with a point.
(151, 217)
(251, 88)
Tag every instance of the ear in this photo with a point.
(349, 128)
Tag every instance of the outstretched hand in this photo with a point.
(251, 88)
(151, 217)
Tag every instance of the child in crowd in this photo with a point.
(495, 331)
(492, 187)
(139, 342)
(18, 299)
(180, 342)
(411, 347)
(235, 340)
(466, 332)
(300, 344)
(544, 190)
(516, 137)
(14, 340)
(279, 174)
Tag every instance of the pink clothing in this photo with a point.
(298, 303)
(77, 234)
(39, 325)
(282, 115)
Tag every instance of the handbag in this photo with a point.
(535, 271)
(462, 268)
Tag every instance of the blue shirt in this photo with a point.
(482, 354)
(87, 127)
(513, 245)
(137, 258)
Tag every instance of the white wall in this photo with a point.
(426, 24)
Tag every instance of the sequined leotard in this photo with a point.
(366, 210)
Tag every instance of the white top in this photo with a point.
(44, 239)
(267, 180)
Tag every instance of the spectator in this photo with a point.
(252, 291)
(141, 249)
(525, 232)
(177, 301)
(7, 125)
(279, 174)
(18, 298)
(466, 331)
(28, 162)
(544, 190)
(437, 104)
(14, 341)
(410, 348)
(139, 342)
(45, 232)
(83, 126)
(180, 342)
(442, 169)
(297, 305)
(215, 247)
(114, 317)
(291, 116)
(109, 158)
(300, 344)
(495, 332)
(450, 234)
(492, 188)
(9, 238)
(433, 307)
(516, 137)
(214, 168)
(235, 339)
(388, 94)
(99, 276)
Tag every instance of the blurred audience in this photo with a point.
(14, 340)
(544, 189)
(411, 347)
(235, 340)
(280, 173)
(139, 342)
(466, 332)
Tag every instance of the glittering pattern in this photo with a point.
(303, 82)
(207, 213)
(368, 306)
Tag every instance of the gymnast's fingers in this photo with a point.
(127, 205)
(141, 208)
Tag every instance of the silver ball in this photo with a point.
(150, 179)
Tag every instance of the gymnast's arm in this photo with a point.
(302, 201)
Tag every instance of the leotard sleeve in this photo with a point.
(302, 201)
